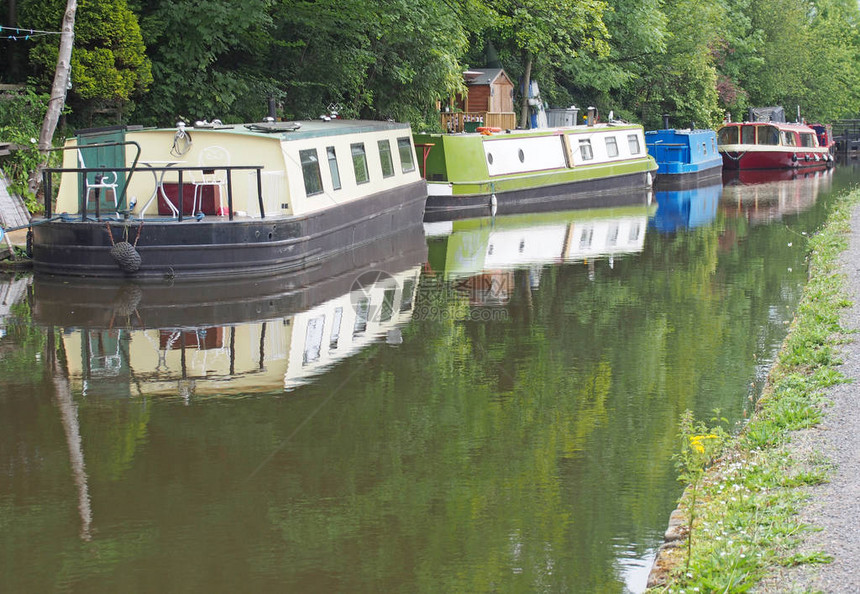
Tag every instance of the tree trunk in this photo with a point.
(62, 75)
(524, 118)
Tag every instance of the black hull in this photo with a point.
(598, 193)
(688, 181)
(111, 303)
(216, 248)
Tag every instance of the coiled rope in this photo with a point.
(181, 141)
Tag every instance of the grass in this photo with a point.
(746, 520)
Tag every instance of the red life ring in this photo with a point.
(487, 130)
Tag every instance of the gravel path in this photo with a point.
(835, 506)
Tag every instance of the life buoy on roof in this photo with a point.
(486, 130)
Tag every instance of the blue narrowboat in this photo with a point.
(685, 158)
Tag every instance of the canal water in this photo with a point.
(491, 407)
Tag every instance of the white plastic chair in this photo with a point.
(104, 180)
(216, 157)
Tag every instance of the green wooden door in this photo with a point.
(108, 157)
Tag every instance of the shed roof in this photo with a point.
(483, 76)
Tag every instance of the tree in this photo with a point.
(618, 80)
(550, 32)
(58, 91)
(208, 59)
(387, 58)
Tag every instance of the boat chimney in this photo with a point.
(592, 116)
(665, 121)
(273, 112)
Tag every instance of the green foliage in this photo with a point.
(207, 59)
(20, 121)
(109, 61)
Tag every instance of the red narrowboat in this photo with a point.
(770, 145)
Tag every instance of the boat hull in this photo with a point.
(586, 193)
(215, 247)
(750, 158)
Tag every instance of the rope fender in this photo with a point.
(125, 254)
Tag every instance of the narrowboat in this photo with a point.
(824, 132)
(226, 338)
(770, 145)
(685, 158)
(214, 201)
(496, 171)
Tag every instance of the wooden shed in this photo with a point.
(489, 99)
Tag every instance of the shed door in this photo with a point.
(111, 158)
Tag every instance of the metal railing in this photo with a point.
(84, 211)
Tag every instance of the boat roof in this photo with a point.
(782, 125)
(286, 131)
(549, 131)
(670, 132)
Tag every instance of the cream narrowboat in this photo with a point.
(215, 201)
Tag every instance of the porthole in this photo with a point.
(522, 156)
(490, 158)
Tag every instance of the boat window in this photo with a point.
(332, 165)
(385, 158)
(522, 156)
(807, 140)
(768, 135)
(704, 148)
(788, 139)
(633, 143)
(404, 147)
(585, 150)
(359, 163)
(311, 171)
(611, 146)
(748, 135)
(729, 135)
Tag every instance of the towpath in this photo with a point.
(834, 506)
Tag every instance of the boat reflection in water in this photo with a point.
(769, 194)
(482, 254)
(685, 209)
(231, 338)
